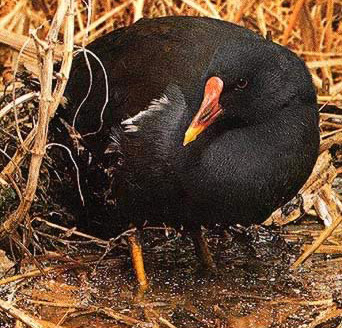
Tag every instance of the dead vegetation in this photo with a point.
(312, 29)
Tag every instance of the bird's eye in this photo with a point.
(242, 83)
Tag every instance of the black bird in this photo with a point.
(249, 102)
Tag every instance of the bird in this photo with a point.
(205, 122)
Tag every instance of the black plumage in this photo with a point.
(253, 158)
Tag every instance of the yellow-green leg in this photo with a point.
(202, 250)
(137, 259)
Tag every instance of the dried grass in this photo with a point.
(312, 29)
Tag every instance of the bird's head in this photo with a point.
(247, 82)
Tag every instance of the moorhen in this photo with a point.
(142, 94)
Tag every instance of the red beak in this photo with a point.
(210, 109)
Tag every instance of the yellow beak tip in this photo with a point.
(191, 134)
(189, 137)
(185, 142)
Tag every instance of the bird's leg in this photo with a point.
(202, 249)
(137, 259)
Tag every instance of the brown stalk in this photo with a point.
(79, 36)
(24, 317)
(324, 63)
(328, 33)
(18, 101)
(197, 7)
(93, 10)
(47, 106)
(324, 316)
(138, 9)
(293, 20)
(323, 173)
(245, 6)
(328, 207)
(308, 31)
(37, 273)
(335, 139)
(105, 310)
(13, 13)
(79, 16)
(98, 241)
(325, 249)
(260, 15)
(167, 323)
(118, 316)
(16, 42)
(213, 10)
(19, 155)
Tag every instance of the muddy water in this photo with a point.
(253, 286)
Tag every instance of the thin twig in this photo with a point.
(75, 165)
(24, 98)
(37, 273)
(293, 20)
(94, 25)
(24, 317)
(74, 232)
(88, 92)
(138, 9)
(326, 205)
(47, 106)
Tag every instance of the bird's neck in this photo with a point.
(288, 126)
(287, 144)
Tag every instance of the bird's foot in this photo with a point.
(203, 252)
(138, 261)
